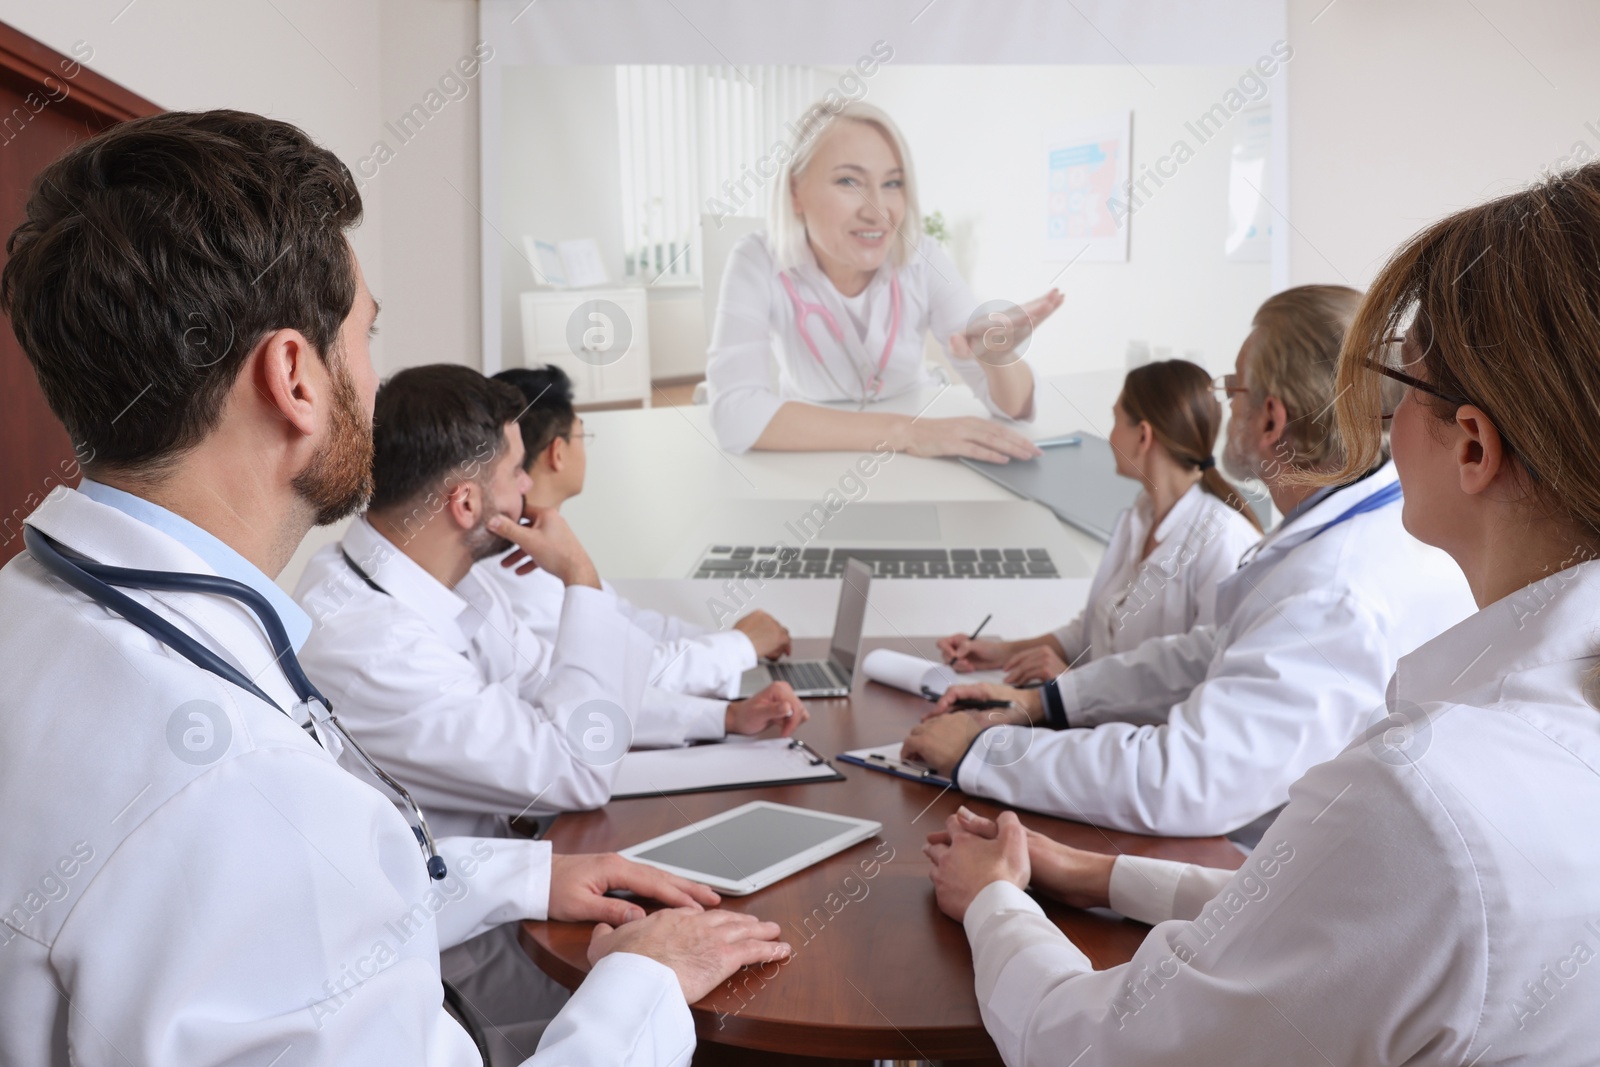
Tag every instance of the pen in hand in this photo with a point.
(952, 661)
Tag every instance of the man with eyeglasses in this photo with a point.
(1203, 733)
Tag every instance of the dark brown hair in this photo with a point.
(547, 393)
(433, 424)
(1503, 301)
(156, 255)
(1176, 398)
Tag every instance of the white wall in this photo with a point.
(976, 135)
(339, 70)
(560, 175)
(1403, 112)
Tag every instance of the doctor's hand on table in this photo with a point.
(1074, 876)
(776, 705)
(767, 634)
(703, 948)
(966, 435)
(544, 541)
(1035, 660)
(579, 884)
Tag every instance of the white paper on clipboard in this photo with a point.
(731, 764)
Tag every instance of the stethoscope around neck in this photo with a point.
(805, 309)
(95, 581)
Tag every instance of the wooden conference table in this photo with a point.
(878, 972)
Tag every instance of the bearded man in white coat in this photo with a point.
(191, 876)
(1203, 732)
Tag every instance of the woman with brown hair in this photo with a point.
(1429, 895)
(1183, 534)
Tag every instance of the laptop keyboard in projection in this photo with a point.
(770, 561)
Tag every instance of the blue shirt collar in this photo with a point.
(222, 559)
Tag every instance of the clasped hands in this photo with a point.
(972, 852)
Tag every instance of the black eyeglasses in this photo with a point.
(1415, 383)
(1452, 399)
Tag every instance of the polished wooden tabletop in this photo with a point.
(878, 972)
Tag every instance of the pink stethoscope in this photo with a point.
(804, 310)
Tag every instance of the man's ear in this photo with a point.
(290, 376)
(1274, 422)
(464, 504)
(1479, 452)
(555, 454)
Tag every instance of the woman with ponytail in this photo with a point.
(1431, 895)
(1183, 534)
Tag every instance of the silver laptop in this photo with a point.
(823, 677)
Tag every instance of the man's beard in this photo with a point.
(338, 480)
(483, 544)
(1238, 464)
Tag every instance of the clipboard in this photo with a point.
(886, 759)
(730, 764)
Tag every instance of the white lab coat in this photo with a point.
(687, 659)
(1203, 732)
(467, 707)
(1131, 600)
(1429, 896)
(754, 331)
(268, 903)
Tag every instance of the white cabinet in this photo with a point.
(600, 337)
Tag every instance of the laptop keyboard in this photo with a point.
(802, 675)
(769, 561)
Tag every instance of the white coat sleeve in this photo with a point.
(709, 665)
(1072, 637)
(1155, 890)
(425, 713)
(1139, 685)
(1295, 687)
(659, 625)
(740, 362)
(1332, 944)
(666, 720)
(491, 881)
(951, 305)
(629, 1012)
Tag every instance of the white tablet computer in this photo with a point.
(752, 846)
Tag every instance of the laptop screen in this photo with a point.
(852, 613)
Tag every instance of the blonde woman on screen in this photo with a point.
(836, 298)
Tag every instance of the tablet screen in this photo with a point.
(737, 848)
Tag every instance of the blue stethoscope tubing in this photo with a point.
(1381, 499)
(96, 581)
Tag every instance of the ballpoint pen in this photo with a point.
(951, 662)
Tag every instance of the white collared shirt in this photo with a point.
(688, 658)
(1203, 732)
(189, 878)
(755, 334)
(469, 709)
(1174, 589)
(1429, 896)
